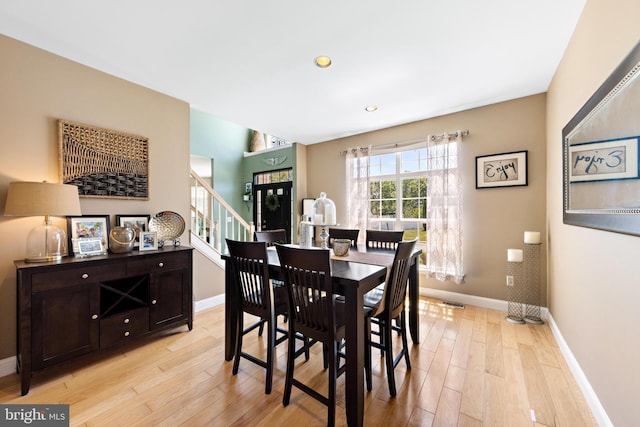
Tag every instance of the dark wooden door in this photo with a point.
(272, 207)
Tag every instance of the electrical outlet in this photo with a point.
(509, 280)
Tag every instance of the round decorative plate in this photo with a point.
(169, 225)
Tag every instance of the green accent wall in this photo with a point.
(225, 143)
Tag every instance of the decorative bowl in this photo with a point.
(341, 246)
(169, 226)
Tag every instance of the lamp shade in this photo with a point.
(42, 198)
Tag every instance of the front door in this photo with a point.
(272, 206)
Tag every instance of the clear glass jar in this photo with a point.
(323, 211)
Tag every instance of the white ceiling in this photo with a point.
(251, 62)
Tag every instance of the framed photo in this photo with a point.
(502, 170)
(601, 179)
(138, 223)
(148, 241)
(88, 246)
(86, 227)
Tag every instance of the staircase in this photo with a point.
(213, 220)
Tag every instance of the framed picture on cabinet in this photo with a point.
(88, 227)
(148, 241)
(138, 223)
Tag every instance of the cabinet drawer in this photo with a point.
(123, 326)
(158, 264)
(76, 276)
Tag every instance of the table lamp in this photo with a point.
(46, 242)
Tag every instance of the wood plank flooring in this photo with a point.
(471, 368)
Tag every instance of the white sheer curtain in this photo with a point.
(357, 166)
(444, 208)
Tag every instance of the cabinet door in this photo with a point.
(65, 323)
(170, 298)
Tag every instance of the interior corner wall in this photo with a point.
(38, 88)
(494, 218)
(593, 274)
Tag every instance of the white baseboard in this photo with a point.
(208, 303)
(590, 395)
(8, 365)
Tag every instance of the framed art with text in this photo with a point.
(502, 170)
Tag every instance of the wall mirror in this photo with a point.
(601, 155)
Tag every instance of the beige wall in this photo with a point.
(593, 277)
(37, 88)
(495, 219)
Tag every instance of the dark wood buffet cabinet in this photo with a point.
(81, 305)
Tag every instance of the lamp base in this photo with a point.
(49, 258)
(46, 243)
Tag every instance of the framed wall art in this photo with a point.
(103, 163)
(502, 170)
(88, 227)
(138, 223)
(601, 163)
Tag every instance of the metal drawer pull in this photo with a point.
(94, 317)
(85, 275)
(161, 264)
(126, 334)
(126, 320)
(153, 301)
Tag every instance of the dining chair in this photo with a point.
(383, 239)
(256, 296)
(344, 233)
(315, 313)
(271, 237)
(387, 305)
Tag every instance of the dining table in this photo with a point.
(353, 275)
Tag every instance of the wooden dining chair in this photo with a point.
(387, 305)
(344, 233)
(271, 237)
(314, 313)
(257, 296)
(383, 239)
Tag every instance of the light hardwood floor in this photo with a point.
(471, 368)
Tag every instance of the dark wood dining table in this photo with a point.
(353, 276)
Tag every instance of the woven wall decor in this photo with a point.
(103, 163)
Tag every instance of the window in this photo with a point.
(398, 192)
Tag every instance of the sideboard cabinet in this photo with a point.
(81, 305)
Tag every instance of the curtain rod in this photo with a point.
(436, 138)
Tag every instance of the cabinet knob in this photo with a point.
(126, 320)
(126, 334)
(85, 275)
(94, 317)
(153, 301)
(161, 264)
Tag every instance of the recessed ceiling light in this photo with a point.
(370, 108)
(322, 61)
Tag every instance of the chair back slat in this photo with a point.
(383, 239)
(249, 263)
(396, 285)
(307, 278)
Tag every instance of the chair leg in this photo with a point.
(261, 328)
(388, 349)
(271, 342)
(333, 374)
(291, 345)
(405, 346)
(236, 361)
(367, 353)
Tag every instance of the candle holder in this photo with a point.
(323, 214)
(532, 278)
(515, 293)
